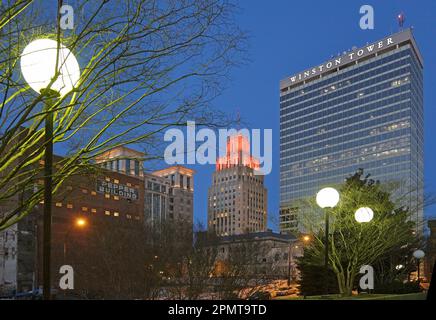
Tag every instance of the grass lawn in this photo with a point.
(408, 296)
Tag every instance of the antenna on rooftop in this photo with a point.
(401, 19)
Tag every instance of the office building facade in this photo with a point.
(237, 199)
(362, 109)
(170, 195)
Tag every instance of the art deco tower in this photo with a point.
(237, 199)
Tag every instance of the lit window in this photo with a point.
(116, 181)
(107, 195)
(107, 212)
(85, 209)
(69, 206)
(107, 179)
(116, 198)
(93, 210)
(84, 190)
(59, 204)
(93, 193)
(128, 216)
(128, 184)
(116, 214)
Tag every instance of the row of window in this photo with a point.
(341, 75)
(116, 165)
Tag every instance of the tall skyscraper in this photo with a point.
(361, 109)
(237, 199)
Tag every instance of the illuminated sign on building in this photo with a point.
(347, 58)
(117, 189)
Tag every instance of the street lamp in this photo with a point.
(418, 255)
(327, 198)
(364, 214)
(52, 71)
(79, 223)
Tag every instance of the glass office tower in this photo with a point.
(362, 109)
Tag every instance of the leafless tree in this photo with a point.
(146, 65)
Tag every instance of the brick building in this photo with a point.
(110, 202)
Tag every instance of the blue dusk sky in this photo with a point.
(289, 36)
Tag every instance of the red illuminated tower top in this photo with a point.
(237, 154)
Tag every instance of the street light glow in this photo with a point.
(80, 222)
(364, 214)
(38, 64)
(327, 198)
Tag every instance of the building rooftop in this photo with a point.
(351, 57)
(264, 235)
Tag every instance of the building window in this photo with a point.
(84, 190)
(107, 179)
(116, 198)
(128, 216)
(136, 168)
(69, 206)
(188, 182)
(85, 209)
(107, 195)
(93, 210)
(128, 184)
(127, 166)
(59, 204)
(181, 181)
(116, 181)
(107, 212)
(117, 166)
(116, 214)
(93, 193)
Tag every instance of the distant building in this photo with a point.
(264, 254)
(237, 199)
(156, 198)
(122, 159)
(114, 196)
(430, 251)
(103, 197)
(362, 109)
(180, 192)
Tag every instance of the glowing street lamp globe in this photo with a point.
(364, 214)
(38, 64)
(327, 198)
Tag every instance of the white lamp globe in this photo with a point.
(399, 267)
(364, 214)
(418, 254)
(327, 198)
(38, 63)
